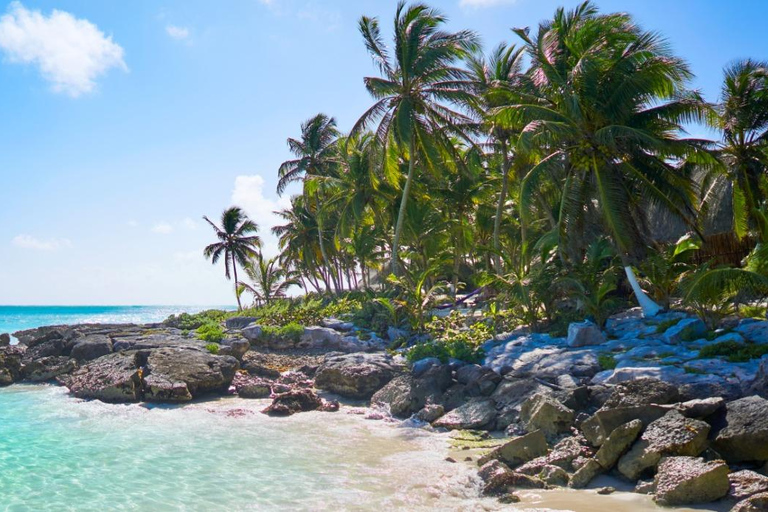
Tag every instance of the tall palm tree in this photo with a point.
(316, 156)
(269, 280)
(299, 242)
(743, 119)
(237, 243)
(611, 100)
(419, 79)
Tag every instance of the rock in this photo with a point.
(91, 347)
(337, 325)
(701, 407)
(491, 467)
(673, 434)
(509, 499)
(47, 368)
(519, 450)
(504, 482)
(405, 394)
(756, 503)
(239, 322)
(690, 480)
(644, 487)
(422, 365)
(759, 385)
(112, 378)
(321, 337)
(252, 333)
(10, 364)
(562, 455)
(39, 335)
(477, 413)
(740, 431)
(746, 483)
(554, 476)
(585, 474)
(543, 412)
(755, 331)
(687, 329)
(605, 491)
(584, 334)
(617, 443)
(255, 368)
(5, 339)
(298, 400)
(430, 413)
(254, 390)
(642, 392)
(176, 375)
(480, 381)
(355, 375)
(597, 428)
(235, 348)
(394, 334)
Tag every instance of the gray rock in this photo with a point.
(291, 402)
(176, 375)
(47, 368)
(422, 365)
(642, 392)
(554, 476)
(477, 413)
(701, 407)
(545, 413)
(585, 474)
(239, 322)
(741, 431)
(519, 450)
(480, 381)
(690, 480)
(430, 413)
(617, 443)
(502, 483)
(235, 348)
(584, 334)
(321, 337)
(756, 503)
(597, 428)
(759, 386)
(685, 330)
(252, 333)
(91, 347)
(5, 339)
(10, 364)
(254, 390)
(406, 394)
(755, 331)
(356, 375)
(112, 378)
(562, 455)
(394, 334)
(746, 483)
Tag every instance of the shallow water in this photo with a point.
(58, 453)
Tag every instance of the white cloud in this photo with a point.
(50, 244)
(476, 4)
(176, 32)
(162, 228)
(69, 52)
(249, 195)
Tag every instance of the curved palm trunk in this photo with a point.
(403, 202)
(500, 207)
(328, 270)
(237, 295)
(650, 308)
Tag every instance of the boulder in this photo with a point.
(545, 413)
(673, 434)
(562, 455)
(356, 375)
(759, 386)
(554, 476)
(479, 380)
(585, 474)
(91, 347)
(430, 413)
(252, 333)
(519, 450)
(112, 378)
(584, 334)
(234, 347)
(337, 324)
(239, 322)
(599, 426)
(746, 483)
(47, 368)
(394, 334)
(321, 337)
(740, 431)
(477, 413)
(297, 400)
(176, 375)
(504, 482)
(755, 331)
(642, 392)
(248, 386)
(687, 329)
(38, 335)
(422, 365)
(701, 407)
(756, 503)
(406, 394)
(617, 443)
(10, 364)
(690, 480)
(5, 339)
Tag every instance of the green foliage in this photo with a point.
(662, 327)
(693, 370)
(213, 348)
(452, 338)
(210, 332)
(189, 322)
(734, 351)
(606, 361)
(753, 311)
(661, 271)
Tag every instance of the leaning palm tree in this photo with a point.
(237, 243)
(268, 280)
(419, 80)
(610, 103)
(316, 156)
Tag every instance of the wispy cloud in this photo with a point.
(476, 4)
(162, 228)
(49, 244)
(177, 32)
(70, 53)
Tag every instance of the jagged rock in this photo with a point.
(585, 474)
(320, 337)
(543, 412)
(510, 395)
(644, 487)
(562, 455)
(480, 381)
(176, 375)
(235, 348)
(490, 468)
(554, 475)
(755, 331)
(394, 334)
(422, 365)
(746, 483)
(642, 392)
(39, 335)
(111, 378)
(356, 375)
(759, 385)
(253, 333)
(504, 482)
(604, 421)
(756, 503)
(740, 431)
(430, 413)
(519, 450)
(701, 408)
(690, 480)
(91, 347)
(248, 386)
(5, 339)
(477, 413)
(239, 322)
(10, 364)
(584, 334)
(617, 443)
(47, 368)
(685, 330)
(298, 400)
(673, 434)
(405, 394)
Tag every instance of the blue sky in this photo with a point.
(124, 122)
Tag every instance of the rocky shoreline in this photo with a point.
(686, 429)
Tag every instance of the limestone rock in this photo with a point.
(741, 430)
(543, 412)
(91, 347)
(583, 334)
(239, 322)
(430, 413)
(47, 368)
(756, 503)
(642, 392)
(746, 483)
(235, 348)
(5, 339)
(617, 443)
(585, 474)
(690, 480)
(686, 329)
(252, 333)
(504, 482)
(176, 375)
(477, 413)
(355, 375)
(604, 421)
(111, 378)
(519, 450)
(480, 381)
(298, 400)
(10, 364)
(405, 394)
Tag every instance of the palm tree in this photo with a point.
(237, 243)
(269, 280)
(419, 76)
(299, 242)
(316, 156)
(743, 119)
(610, 101)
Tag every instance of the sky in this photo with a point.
(124, 122)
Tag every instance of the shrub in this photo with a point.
(210, 332)
(191, 321)
(734, 351)
(292, 331)
(607, 361)
(213, 348)
(428, 349)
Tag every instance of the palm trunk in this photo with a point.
(650, 308)
(322, 247)
(500, 206)
(403, 203)
(455, 283)
(237, 295)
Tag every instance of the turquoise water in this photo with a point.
(15, 318)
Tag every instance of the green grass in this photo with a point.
(693, 370)
(734, 351)
(213, 348)
(662, 327)
(211, 333)
(607, 361)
